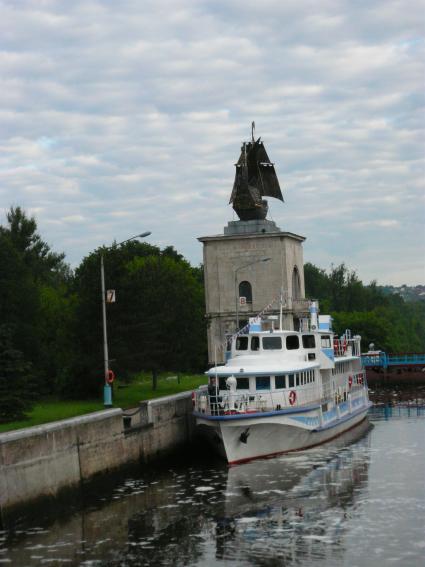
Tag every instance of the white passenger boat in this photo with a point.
(283, 391)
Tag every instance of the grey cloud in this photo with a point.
(119, 116)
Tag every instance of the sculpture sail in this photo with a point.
(255, 178)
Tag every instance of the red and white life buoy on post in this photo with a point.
(350, 381)
(292, 397)
(110, 376)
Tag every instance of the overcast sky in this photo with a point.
(122, 116)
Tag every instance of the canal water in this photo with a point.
(359, 501)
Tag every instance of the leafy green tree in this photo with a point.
(34, 284)
(385, 320)
(56, 338)
(172, 306)
(15, 379)
(44, 264)
(19, 302)
(317, 285)
(157, 322)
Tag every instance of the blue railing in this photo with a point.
(383, 359)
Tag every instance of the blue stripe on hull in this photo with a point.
(343, 419)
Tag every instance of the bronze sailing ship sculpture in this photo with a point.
(255, 178)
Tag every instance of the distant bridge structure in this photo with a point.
(380, 359)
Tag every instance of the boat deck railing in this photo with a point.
(236, 403)
(346, 347)
(229, 403)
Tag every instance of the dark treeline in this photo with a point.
(51, 323)
(388, 321)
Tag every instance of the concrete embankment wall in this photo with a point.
(44, 460)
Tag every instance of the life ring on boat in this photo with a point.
(350, 381)
(110, 376)
(292, 397)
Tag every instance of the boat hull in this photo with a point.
(241, 440)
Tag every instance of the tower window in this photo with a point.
(245, 290)
(296, 284)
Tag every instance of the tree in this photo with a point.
(15, 379)
(34, 299)
(19, 302)
(44, 264)
(157, 322)
(386, 320)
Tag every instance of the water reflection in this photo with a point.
(393, 411)
(292, 507)
(298, 509)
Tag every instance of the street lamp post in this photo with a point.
(107, 390)
(236, 285)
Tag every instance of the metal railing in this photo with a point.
(346, 347)
(237, 403)
(397, 359)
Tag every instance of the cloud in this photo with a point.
(119, 117)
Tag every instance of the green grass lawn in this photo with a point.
(124, 396)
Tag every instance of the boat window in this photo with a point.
(297, 377)
(292, 342)
(262, 382)
(308, 341)
(255, 343)
(242, 343)
(272, 343)
(242, 383)
(291, 382)
(326, 341)
(222, 383)
(279, 382)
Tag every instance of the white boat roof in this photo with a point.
(251, 365)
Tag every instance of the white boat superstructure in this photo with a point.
(283, 391)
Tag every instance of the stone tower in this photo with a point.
(240, 282)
